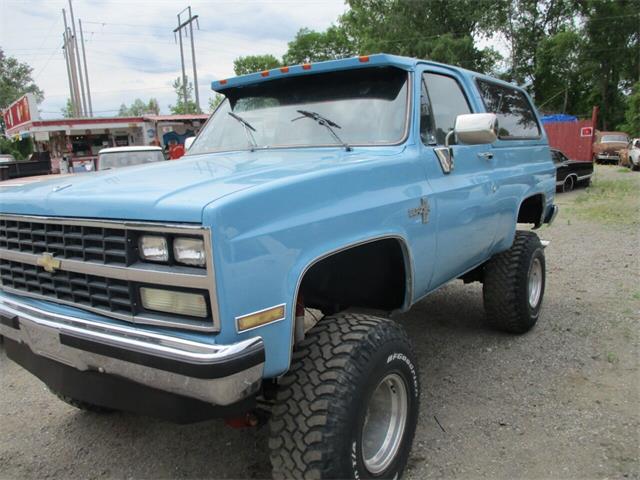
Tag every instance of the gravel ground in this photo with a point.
(559, 402)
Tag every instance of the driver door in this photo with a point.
(465, 194)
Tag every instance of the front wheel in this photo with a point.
(348, 407)
(514, 284)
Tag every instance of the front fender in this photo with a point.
(265, 238)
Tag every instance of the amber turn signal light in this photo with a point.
(260, 318)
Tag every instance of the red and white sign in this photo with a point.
(21, 111)
(586, 132)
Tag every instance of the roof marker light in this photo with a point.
(222, 82)
(284, 69)
(363, 58)
(306, 66)
(264, 73)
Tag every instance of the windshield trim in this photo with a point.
(403, 139)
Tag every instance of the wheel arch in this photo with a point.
(407, 264)
(532, 209)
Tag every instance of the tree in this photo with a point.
(15, 81)
(560, 82)
(311, 46)
(215, 101)
(632, 113)
(185, 104)
(436, 29)
(67, 111)
(612, 55)
(139, 108)
(254, 63)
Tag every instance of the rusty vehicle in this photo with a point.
(607, 146)
(630, 156)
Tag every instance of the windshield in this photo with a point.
(126, 159)
(614, 138)
(362, 107)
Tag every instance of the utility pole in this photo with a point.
(78, 60)
(86, 71)
(178, 29)
(193, 57)
(68, 43)
(66, 61)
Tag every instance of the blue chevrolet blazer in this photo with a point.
(256, 279)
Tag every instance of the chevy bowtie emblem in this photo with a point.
(47, 262)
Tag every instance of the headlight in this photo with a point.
(153, 248)
(189, 251)
(178, 303)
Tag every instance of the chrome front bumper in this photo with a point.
(216, 374)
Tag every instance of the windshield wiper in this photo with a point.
(325, 122)
(248, 130)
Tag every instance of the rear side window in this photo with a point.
(516, 118)
(442, 100)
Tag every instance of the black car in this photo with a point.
(570, 173)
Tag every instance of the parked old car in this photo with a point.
(118, 157)
(570, 173)
(607, 146)
(630, 156)
(179, 289)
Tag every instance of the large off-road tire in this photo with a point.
(353, 382)
(514, 284)
(79, 404)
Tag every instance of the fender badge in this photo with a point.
(47, 262)
(423, 210)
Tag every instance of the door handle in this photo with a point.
(486, 155)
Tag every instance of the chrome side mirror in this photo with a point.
(476, 128)
(188, 142)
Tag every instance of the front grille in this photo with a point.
(74, 242)
(94, 264)
(97, 292)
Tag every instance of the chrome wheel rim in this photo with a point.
(384, 423)
(535, 283)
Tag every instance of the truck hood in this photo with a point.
(176, 191)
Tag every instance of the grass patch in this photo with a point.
(612, 357)
(609, 201)
(624, 170)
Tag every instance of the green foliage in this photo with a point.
(613, 55)
(185, 104)
(15, 81)
(311, 46)
(215, 101)
(67, 111)
(254, 63)
(438, 30)
(631, 124)
(139, 108)
(20, 149)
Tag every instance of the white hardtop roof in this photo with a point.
(129, 149)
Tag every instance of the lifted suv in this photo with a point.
(184, 289)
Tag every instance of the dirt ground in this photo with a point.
(559, 402)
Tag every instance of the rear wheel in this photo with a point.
(514, 283)
(348, 406)
(568, 184)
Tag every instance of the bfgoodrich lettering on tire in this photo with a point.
(348, 406)
(514, 284)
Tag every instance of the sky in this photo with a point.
(130, 46)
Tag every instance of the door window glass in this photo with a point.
(445, 101)
(516, 118)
